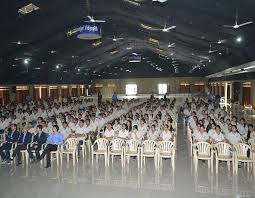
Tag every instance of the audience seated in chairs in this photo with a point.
(24, 139)
(39, 139)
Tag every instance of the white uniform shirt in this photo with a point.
(218, 137)
(65, 131)
(166, 136)
(108, 133)
(234, 138)
(153, 135)
(123, 134)
(202, 137)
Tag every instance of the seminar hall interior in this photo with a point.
(141, 98)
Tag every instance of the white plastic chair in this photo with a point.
(69, 148)
(203, 151)
(223, 152)
(241, 155)
(116, 148)
(166, 149)
(99, 147)
(132, 150)
(149, 149)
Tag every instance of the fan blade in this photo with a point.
(228, 26)
(169, 28)
(155, 29)
(99, 21)
(90, 18)
(247, 23)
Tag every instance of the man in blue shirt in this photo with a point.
(39, 139)
(24, 139)
(53, 141)
(12, 137)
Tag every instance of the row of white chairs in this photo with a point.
(133, 148)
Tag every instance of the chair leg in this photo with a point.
(105, 159)
(228, 164)
(217, 165)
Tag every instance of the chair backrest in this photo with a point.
(132, 145)
(203, 148)
(166, 146)
(71, 143)
(116, 144)
(223, 149)
(149, 145)
(101, 143)
(252, 144)
(241, 149)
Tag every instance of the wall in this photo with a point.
(150, 85)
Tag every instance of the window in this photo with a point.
(131, 89)
(162, 88)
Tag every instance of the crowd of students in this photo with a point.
(31, 125)
(211, 123)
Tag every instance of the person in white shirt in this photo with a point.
(153, 134)
(109, 132)
(123, 133)
(65, 131)
(202, 136)
(217, 136)
(80, 130)
(233, 137)
(242, 127)
(135, 134)
(3, 124)
(142, 127)
(212, 131)
(166, 135)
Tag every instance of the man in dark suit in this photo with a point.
(39, 139)
(12, 137)
(24, 139)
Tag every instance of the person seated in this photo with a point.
(123, 133)
(166, 135)
(109, 132)
(12, 137)
(217, 136)
(202, 136)
(24, 139)
(135, 134)
(153, 134)
(65, 130)
(251, 133)
(53, 141)
(39, 139)
(233, 137)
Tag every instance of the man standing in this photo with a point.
(53, 141)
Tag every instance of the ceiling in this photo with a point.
(199, 25)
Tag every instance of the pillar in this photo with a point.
(192, 90)
(59, 93)
(78, 90)
(253, 94)
(70, 90)
(31, 91)
(240, 98)
(231, 92)
(12, 93)
(225, 93)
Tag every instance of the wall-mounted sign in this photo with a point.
(89, 31)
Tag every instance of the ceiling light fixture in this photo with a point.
(239, 39)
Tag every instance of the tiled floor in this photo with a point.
(85, 181)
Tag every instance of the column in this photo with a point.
(225, 93)
(240, 98)
(253, 94)
(70, 90)
(78, 90)
(31, 91)
(59, 93)
(192, 86)
(12, 93)
(220, 90)
(216, 89)
(231, 91)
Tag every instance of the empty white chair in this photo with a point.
(203, 151)
(132, 150)
(149, 149)
(241, 155)
(116, 148)
(69, 148)
(99, 147)
(166, 149)
(223, 152)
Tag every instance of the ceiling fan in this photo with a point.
(221, 41)
(165, 29)
(211, 51)
(92, 20)
(236, 25)
(115, 39)
(19, 43)
(171, 45)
